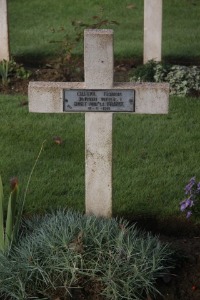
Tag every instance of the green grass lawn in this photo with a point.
(153, 157)
(31, 23)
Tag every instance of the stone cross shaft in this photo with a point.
(4, 36)
(98, 97)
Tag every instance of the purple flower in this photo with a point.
(189, 213)
(183, 206)
(189, 202)
(189, 186)
(192, 189)
(186, 203)
(198, 187)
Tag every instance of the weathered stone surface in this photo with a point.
(98, 66)
(48, 97)
(98, 58)
(152, 30)
(98, 158)
(4, 36)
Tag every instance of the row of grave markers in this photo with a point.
(152, 30)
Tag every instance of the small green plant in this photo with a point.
(183, 81)
(7, 236)
(144, 72)
(11, 69)
(17, 70)
(63, 251)
(9, 232)
(4, 71)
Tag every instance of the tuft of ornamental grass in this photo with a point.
(64, 250)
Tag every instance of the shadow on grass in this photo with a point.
(182, 60)
(34, 60)
(171, 226)
(31, 59)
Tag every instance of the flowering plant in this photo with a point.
(8, 235)
(192, 191)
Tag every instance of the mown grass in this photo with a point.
(153, 157)
(31, 23)
(163, 156)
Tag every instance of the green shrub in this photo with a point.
(65, 250)
(183, 81)
(144, 72)
(11, 69)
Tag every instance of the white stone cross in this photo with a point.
(98, 97)
(4, 36)
(152, 30)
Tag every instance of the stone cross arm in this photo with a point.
(47, 97)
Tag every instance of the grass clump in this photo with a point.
(63, 251)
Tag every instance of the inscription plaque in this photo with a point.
(98, 100)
